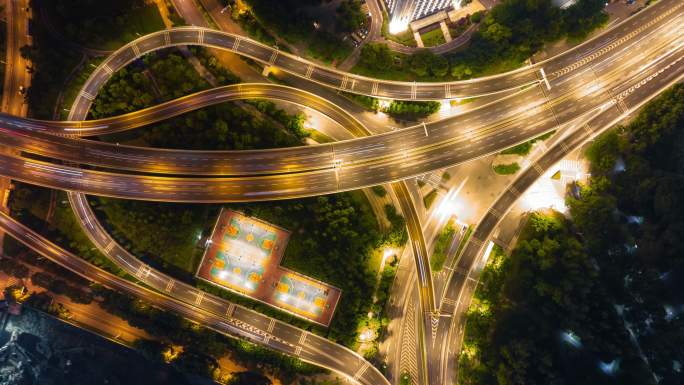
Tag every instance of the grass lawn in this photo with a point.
(433, 38)
(507, 169)
(138, 23)
(442, 246)
(108, 26)
(392, 73)
(404, 38)
(429, 199)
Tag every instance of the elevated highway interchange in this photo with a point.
(589, 87)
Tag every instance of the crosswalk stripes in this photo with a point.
(236, 44)
(447, 91)
(136, 50)
(107, 68)
(230, 310)
(414, 90)
(361, 370)
(298, 350)
(200, 37)
(494, 212)
(309, 71)
(87, 95)
(565, 147)
(199, 298)
(345, 79)
(476, 241)
(109, 247)
(302, 338)
(273, 57)
(142, 271)
(538, 169)
(271, 325)
(374, 91)
(169, 285)
(514, 190)
(167, 38)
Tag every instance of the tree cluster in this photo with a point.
(203, 346)
(61, 287)
(604, 287)
(508, 35)
(549, 287)
(632, 215)
(102, 23)
(13, 268)
(516, 29)
(298, 27)
(398, 235)
(350, 16)
(409, 110)
(333, 235)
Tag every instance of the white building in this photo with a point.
(402, 12)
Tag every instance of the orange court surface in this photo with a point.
(243, 255)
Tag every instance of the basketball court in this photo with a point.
(243, 255)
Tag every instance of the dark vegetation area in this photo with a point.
(102, 24)
(398, 109)
(298, 27)
(596, 298)
(407, 110)
(163, 76)
(201, 347)
(508, 35)
(333, 236)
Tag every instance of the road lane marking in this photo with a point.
(109, 246)
(302, 338)
(538, 169)
(361, 370)
(169, 285)
(87, 95)
(236, 44)
(274, 55)
(345, 79)
(546, 81)
(230, 310)
(494, 212)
